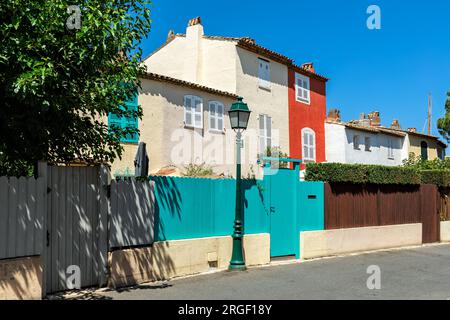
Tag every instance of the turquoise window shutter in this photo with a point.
(126, 122)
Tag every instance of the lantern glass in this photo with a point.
(239, 115)
(243, 119)
(234, 119)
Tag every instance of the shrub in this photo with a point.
(198, 170)
(362, 174)
(441, 178)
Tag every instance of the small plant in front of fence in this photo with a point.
(198, 170)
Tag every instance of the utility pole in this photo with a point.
(430, 112)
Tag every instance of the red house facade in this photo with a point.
(307, 114)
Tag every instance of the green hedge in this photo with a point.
(440, 178)
(362, 174)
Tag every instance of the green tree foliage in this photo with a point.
(58, 84)
(419, 163)
(444, 123)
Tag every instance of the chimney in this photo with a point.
(362, 116)
(195, 29)
(334, 115)
(194, 22)
(170, 35)
(413, 130)
(194, 36)
(395, 125)
(309, 66)
(374, 118)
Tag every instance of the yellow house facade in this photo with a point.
(176, 138)
(425, 146)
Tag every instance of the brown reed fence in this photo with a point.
(353, 206)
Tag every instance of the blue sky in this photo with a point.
(391, 70)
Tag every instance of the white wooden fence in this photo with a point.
(22, 210)
(132, 213)
(63, 217)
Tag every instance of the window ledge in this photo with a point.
(268, 89)
(216, 131)
(130, 143)
(192, 127)
(304, 101)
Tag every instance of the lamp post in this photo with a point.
(239, 116)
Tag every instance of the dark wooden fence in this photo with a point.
(355, 206)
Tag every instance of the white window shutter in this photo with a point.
(188, 111)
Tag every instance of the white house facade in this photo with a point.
(358, 144)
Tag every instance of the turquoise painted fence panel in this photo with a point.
(311, 209)
(256, 208)
(311, 213)
(188, 208)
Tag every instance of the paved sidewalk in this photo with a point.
(419, 273)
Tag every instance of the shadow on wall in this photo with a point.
(169, 198)
(140, 262)
(134, 266)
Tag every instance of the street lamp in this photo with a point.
(239, 116)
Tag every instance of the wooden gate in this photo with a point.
(431, 220)
(76, 226)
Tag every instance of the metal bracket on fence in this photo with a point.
(267, 161)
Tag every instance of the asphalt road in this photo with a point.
(420, 273)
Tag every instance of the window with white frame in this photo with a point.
(193, 112)
(264, 73)
(265, 133)
(216, 114)
(391, 149)
(356, 142)
(309, 145)
(302, 88)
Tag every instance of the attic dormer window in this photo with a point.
(264, 73)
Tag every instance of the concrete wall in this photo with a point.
(169, 259)
(340, 147)
(169, 60)
(21, 279)
(316, 244)
(445, 231)
(335, 140)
